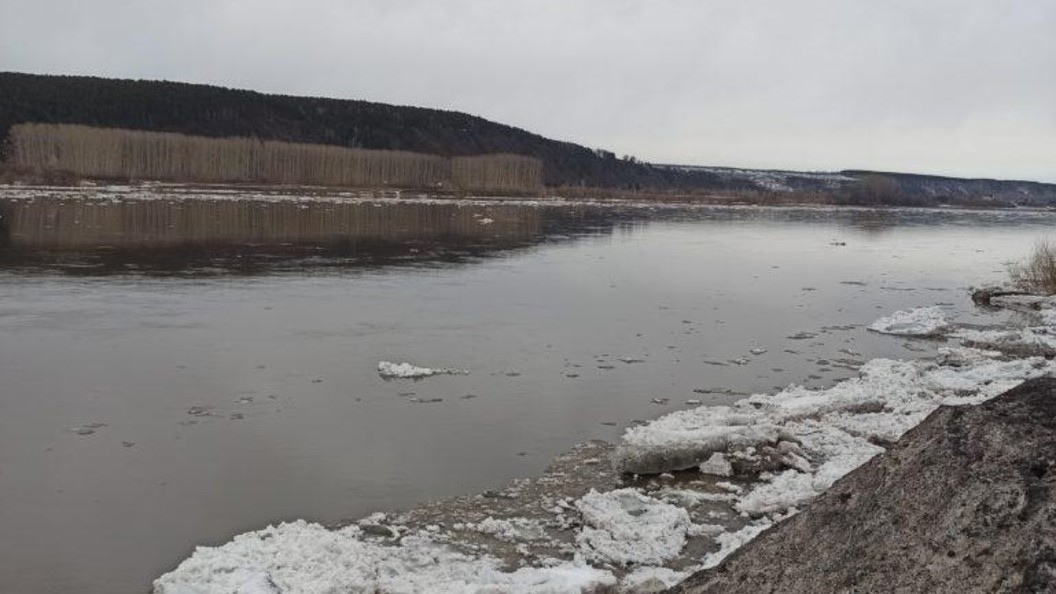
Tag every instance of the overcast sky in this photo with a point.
(957, 87)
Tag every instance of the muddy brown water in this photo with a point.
(175, 371)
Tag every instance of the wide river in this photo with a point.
(177, 370)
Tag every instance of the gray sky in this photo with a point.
(956, 87)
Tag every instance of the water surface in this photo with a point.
(178, 371)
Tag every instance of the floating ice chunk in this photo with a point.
(920, 321)
(387, 369)
(302, 558)
(624, 526)
(686, 438)
(717, 465)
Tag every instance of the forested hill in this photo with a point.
(219, 112)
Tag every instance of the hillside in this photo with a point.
(202, 110)
(915, 187)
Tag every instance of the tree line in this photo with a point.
(134, 154)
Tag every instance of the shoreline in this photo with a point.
(585, 526)
(554, 196)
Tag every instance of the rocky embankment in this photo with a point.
(964, 502)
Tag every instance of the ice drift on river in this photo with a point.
(920, 321)
(803, 440)
(781, 449)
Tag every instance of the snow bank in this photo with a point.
(625, 527)
(388, 369)
(303, 558)
(921, 321)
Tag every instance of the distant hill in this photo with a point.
(916, 188)
(203, 110)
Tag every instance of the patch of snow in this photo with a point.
(624, 526)
(731, 541)
(648, 580)
(920, 321)
(388, 369)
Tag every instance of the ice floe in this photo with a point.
(388, 369)
(624, 527)
(920, 321)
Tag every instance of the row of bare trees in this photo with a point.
(134, 154)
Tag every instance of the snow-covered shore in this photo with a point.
(748, 465)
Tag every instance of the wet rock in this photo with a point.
(964, 502)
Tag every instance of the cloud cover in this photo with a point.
(958, 87)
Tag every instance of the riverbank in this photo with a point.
(717, 477)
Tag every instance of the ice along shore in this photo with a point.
(674, 497)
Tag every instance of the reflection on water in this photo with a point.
(245, 236)
(198, 236)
